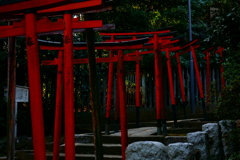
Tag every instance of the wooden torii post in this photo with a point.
(134, 44)
(220, 52)
(208, 73)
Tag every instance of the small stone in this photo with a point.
(146, 150)
(180, 151)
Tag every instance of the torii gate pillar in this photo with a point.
(35, 86)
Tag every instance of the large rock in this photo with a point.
(213, 131)
(226, 127)
(180, 151)
(146, 150)
(200, 142)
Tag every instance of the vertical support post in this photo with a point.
(200, 88)
(68, 89)
(192, 93)
(137, 90)
(208, 77)
(171, 88)
(180, 76)
(117, 106)
(58, 108)
(162, 101)
(35, 87)
(221, 68)
(122, 97)
(94, 98)
(157, 84)
(11, 116)
(109, 94)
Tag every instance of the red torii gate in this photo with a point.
(208, 70)
(30, 27)
(134, 44)
(181, 84)
(158, 41)
(197, 73)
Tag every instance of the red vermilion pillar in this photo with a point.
(109, 94)
(68, 89)
(162, 106)
(200, 88)
(180, 78)
(137, 90)
(35, 87)
(122, 102)
(197, 72)
(58, 108)
(171, 88)
(181, 83)
(116, 112)
(208, 77)
(157, 78)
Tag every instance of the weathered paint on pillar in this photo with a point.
(122, 102)
(58, 108)
(68, 89)
(35, 87)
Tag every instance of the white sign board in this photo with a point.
(21, 94)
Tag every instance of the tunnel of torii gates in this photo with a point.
(29, 26)
(27, 18)
(154, 42)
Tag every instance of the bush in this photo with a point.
(228, 106)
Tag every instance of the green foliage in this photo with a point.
(235, 156)
(229, 102)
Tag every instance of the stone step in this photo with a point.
(30, 156)
(88, 148)
(181, 131)
(194, 124)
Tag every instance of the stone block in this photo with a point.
(200, 142)
(215, 146)
(226, 127)
(180, 151)
(146, 150)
